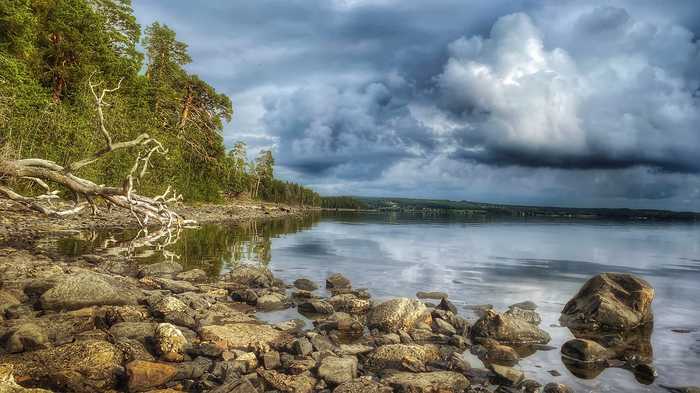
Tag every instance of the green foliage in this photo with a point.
(50, 49)
(342, 202)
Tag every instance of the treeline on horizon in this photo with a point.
(50, 50)
(342, 202)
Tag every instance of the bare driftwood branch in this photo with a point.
(44, 173)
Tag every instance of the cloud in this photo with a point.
(630, 100)
(349, 132)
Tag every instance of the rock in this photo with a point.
(271, 360)
(245, 336)
(507, 375)
(7, 300)
(337, 370)
(302, 346)
(322, 343)
(251, 276)
(27, 337)
(447, 305)
(499, 354)
(398, 314)
(354, 349)
(140, 331)
(272, 301)
(142, 376)
(160, 269)
(316, 307)
(362, 386)
(305, 284)
(349, 303)
(170, 343)
(133, 349)
(81, 366)
(338, 281)
(586, 351)
(303, 383)
(508, 330)
(430, 382)
(610, 301)
(431, 295)
(173, 310)
(441, 326)
(8, 384)
(194, 275)
(174, 286)
(530, 316)
(393, 356)
(556, 388)
(526, 305)
(87, 289)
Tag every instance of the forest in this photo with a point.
(55, 57)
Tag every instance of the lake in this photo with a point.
(498, 262)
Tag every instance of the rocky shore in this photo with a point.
(18, 224)
(105, 324)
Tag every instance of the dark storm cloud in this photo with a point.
(502, 100)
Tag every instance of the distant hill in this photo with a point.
(489, 209)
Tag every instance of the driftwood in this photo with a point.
(45, 173)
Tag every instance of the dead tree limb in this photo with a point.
(44, 173)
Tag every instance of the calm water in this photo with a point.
(495, 262)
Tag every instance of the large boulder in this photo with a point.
(610, 301)
(245, 336)
(87, 289)
(431, 382)
(82, 366)
(395, 356)
(507, 329)
(251, 276)
(398, 314)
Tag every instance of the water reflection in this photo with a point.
(212, 247)
(500, 262)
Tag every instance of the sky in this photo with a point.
(571, 103)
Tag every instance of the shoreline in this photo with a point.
(18, 223)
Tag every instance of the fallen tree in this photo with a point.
(46, 174)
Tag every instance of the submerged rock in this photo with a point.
(398, 314)
(586, 351)
(431, 295)
(507, 329)
(610, 301)
(430, 382)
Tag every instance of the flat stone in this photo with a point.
(302, 383)
(160, 268)
(315, 306)
(398, 314)
(245, 336)
(431, 295)
(393, 356)
(87, 289)
(586, 351)
(194, 275)
(143, 376)
(437, 381)
(508, 375)
(507, 329)
(140, 331)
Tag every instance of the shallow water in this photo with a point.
(497, 262)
